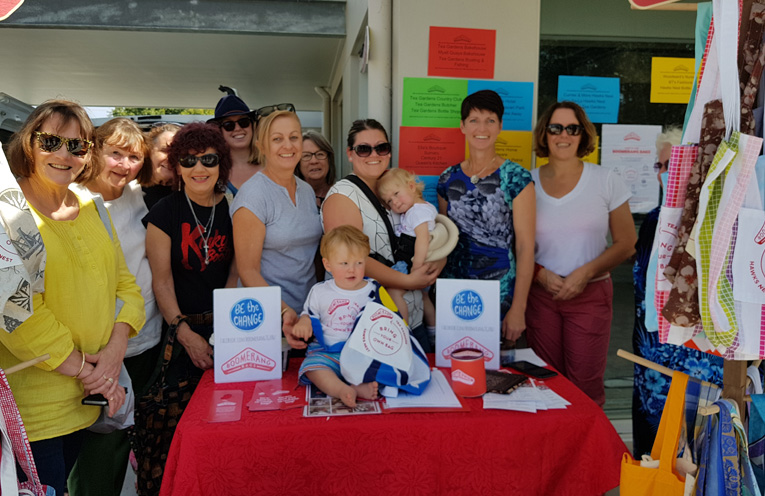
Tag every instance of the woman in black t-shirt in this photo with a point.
(189, 242)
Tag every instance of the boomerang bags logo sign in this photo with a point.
(248, 358)
(8, 7)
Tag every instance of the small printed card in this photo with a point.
(226, 406)
(321, 405)
(270, 395)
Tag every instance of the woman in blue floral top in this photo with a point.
(492, 201)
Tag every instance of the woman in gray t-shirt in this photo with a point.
(276, 225)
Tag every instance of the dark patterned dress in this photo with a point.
(483, 212)
(651, 387)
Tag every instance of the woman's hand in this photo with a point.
(550, 281)
(573, 284)
(116, 400)
(104, 379)
(289, 319)
(422, 276)
(513, 324)
(196, 346)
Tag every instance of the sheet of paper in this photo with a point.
(321, 405)
(599, 96)
(528, 355)
(438, 394)
(461, 52)
(672, 79)
(493, 401)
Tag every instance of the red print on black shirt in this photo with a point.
(192, 242)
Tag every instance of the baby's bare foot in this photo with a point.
(348, 396)
(368, 390)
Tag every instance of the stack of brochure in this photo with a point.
(529, 397)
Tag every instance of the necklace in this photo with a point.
(206, 229)
(474, 178)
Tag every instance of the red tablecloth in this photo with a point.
(558, 452)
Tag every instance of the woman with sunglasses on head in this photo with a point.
(276, 225)
(191, 252)
(317, 165)
(492, 202)
(236, 123)
(163, 177)
(351, 201)
(121, 149)
(578, 205)
(79, 273)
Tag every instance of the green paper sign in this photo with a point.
(430, 102)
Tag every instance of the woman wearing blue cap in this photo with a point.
(235, 120)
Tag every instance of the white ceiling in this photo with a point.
(164, 69)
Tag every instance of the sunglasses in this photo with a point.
(79, 147)
(659, 165)
(571, 129)
(209, 160)
(382, 149)
(308, 155)
(270, 109)
(229, 126)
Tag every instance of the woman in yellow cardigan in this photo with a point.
(85, 275)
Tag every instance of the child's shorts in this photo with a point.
(319, 360)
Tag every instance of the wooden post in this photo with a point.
(734, 382)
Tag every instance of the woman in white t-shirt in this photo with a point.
(568, 315)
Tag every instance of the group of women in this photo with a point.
(199, 207)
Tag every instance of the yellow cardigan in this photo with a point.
(84, 275)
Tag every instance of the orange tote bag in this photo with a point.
(662, 481)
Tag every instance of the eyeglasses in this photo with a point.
(270, 109)
(659, 165)
(308, 155)
(571, 129)
(79, 147)
(382, 149)
(209, 160)
(229, 126)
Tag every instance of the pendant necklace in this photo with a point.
(203, 230)
(474, 178)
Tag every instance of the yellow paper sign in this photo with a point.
(512, 145)
(591, 158)
(671, 79)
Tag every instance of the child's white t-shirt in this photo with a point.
(416, 215)
(337, 308)
(572, 230)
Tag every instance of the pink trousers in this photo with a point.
(573, 335)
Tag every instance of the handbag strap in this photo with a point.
(160, 373)
(671, 424)
(378, 206)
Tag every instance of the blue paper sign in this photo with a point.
(599, 96)
(518, 99)
(247, 314)
(467, 305)
(429, 193)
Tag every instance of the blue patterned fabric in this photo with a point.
(483, 212)
(651, 387)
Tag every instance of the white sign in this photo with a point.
(248, 330)
(631, 151)
(467, 317)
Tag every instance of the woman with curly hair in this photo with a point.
(578, 205)
(492, 202)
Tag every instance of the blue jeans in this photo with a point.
(55, 458)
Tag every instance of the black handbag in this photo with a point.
(157, 413)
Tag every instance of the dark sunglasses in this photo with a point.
(229, 126)
(571, 129)
(382, 149)
(209, 160)
(658, 165)
(307, 156)
(49, 143)
(270, 109)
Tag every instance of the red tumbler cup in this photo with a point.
(468, 372)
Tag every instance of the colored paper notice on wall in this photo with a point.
(428, 151)
(513, 145)
(518, 99)
(591, 158)
(432, 102)
(671, 79)
(461, 52)
(598, 96)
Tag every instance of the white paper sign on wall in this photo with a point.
(467, 317)
(248, 345)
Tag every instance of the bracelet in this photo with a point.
(537, 268)
(284, 310)
(82, 366)
(178, 319)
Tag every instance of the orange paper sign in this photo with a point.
(428, 150)
(462, 52)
